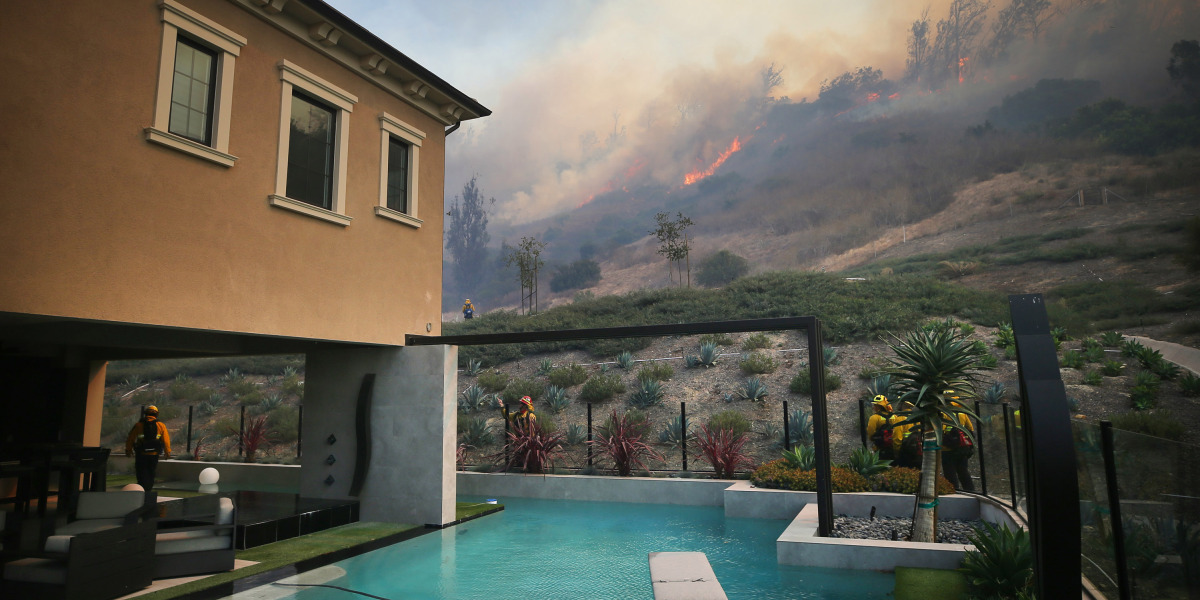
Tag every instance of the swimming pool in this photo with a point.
(549, 549)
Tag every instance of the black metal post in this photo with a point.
(1124, 587)
(787, 435)
(979, 443)
(862, 422)
(242, 430)
(816, 372)
(189, 433)
(1008, 450)
(589, 434)
(1051, 472)
(683, 431)
(506, 423)
(299, 430)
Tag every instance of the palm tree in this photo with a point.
(932, 370)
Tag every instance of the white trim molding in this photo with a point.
(227, 45)
(305, 208)
(390, 126)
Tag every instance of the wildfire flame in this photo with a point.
(697, 175)
(962, 63)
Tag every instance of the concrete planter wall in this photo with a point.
(650, 490)
(240, 475)
(744, 500)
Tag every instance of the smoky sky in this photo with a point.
(592, 96)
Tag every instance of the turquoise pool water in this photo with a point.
(549, 549)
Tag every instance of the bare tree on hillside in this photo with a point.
(674, 243)
(918, 48)
(1015, 21)
(527, 256)
(956, 39)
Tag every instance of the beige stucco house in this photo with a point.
(221, 177)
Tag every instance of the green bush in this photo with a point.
(758, 363)
(1001, 566)
(1093, 378)
(731, 420)
(1111, 339)
(1189, 384)
(1143, 397)
(568, 376)
(284, 422)
(902, 480)
(719, 339)
(579, 274)
(756, 341)
(1111, 368)
(656, 371)
(520, 387)
(493, 381)
(721, 268)
(866, 462)
(601, 387)
(779, 474)
(1158, 423)
(802, 382)
(1072, 360)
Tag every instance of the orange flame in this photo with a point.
(962, 62)
(873, 96)
(695, 176)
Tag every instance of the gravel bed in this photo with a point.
(897, 528)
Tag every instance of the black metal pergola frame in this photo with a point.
(816, 366)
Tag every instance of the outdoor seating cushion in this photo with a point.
(108, 505)
(178, 542)
(36, 570)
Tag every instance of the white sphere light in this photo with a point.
(209, 476)
(133, 487)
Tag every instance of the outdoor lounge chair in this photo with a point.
(96, 557)
(198, 541)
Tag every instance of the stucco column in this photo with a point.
(411, 433)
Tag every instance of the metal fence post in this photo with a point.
(299, 430)
(506, 422)
(1114, 511)
(589, 434)
(242, 430)
(787, 435)
(982, 461)
(683, 431)
(862, 422)
(1008, 451)
(189, 433)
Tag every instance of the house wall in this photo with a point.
(99, 223)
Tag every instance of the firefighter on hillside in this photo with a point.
(524, 416)
(147, 441)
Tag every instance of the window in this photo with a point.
(195, 85)
(313, 118)
(311, 152)
(192, 91)
(400, 151)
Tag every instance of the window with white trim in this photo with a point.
(195, 85)
(313, 141)
(400, 152)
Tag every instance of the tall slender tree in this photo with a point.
(674, 244)
(466, 234)
(527, 257)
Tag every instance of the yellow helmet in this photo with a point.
(527, 401)
(881, 401)
(151, 410)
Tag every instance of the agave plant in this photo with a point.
(1131, 348)
(625, 359)
(722, 448)
(556, 399)
(474, 367)
(1072, 359)
(995, 394)
(620, 440)
(803, 458)
(648, 393)
(474, 431)
(576, 434)
(800, 428)
(691, 361)
(1005, 338)
(545, 366)
(674, 433)
(881, 385)
(1146, 379)
(532, 448)
(471, 399)
(753, 389)
(1111, 339)
(831, 356)
(289, 371)
(1189, 384)
(1111, 368)
(930, 370)
(1001, 566)
(708, 354)
(866, 462)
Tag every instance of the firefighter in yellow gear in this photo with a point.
(147, 441)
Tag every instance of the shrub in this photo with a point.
(1093, 378)
(721, 268)
(601, 387)
(1143, 397)
(720, 339)
(1131, 348)
(625, 359)
(1001, 566)
(568, 376)
(756, 341)
(269, 403)
(777, 474)
(1111, 339)
(474, 431)
(183, 389)
(1005, 338)
(579, 274)
(1072, 360)
(753, 389)
(656, 371)
(517, 388)
(732, 420)
(1189, 384)
(534, 448)
(757, 363)
(620, 440)
(557, 399)
(902, 480)
(802, 382)
(986, 361)
(1111, 368)
(649, 393)
(293, 386)
(1158, 423)
(723, 450)
(493, 381)
(673, 433)
(545, 366)
(285, 422)
(1146, 379)
(803, 458)
(1164, 368)
(207, 409)
(866, 462)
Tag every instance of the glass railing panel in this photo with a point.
(1097, 560)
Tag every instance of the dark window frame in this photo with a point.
(210, 101)
(399, 202)
(330, 158)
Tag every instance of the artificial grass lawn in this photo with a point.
(286, 552)
(929, 584)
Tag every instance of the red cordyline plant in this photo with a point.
(722, 449)
(460, 456)
(254, 437)
(531, 448)
(196, 448)
(621, 440)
